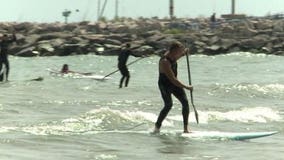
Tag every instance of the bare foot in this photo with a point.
(156, 130)
(186, 130)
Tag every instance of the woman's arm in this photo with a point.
(165, 67)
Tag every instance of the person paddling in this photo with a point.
(122, 60)
(5, 41)
(169, 84)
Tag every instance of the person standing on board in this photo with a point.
(169, 84)
(5, 41)
(122, 60)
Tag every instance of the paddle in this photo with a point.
(126, 65)
(3, 73)
(37, 79)
(191, 94)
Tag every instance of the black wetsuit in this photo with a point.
(4, 57)
(122, 60)
(167, 88)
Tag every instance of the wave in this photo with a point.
(274, 90)
(269, 88)
(245, 115)
(237, 54)
(98, 120)
(107, 120)
(246, 54)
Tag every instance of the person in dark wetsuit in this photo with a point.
(122, 60)
(169, 84)
(4, 44)
(213, 21)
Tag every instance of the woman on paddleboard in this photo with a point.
(169, 84)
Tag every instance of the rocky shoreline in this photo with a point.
(147, 36)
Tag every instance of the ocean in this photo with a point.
(65, 118)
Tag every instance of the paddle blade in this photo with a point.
(195, 111)
(196, 116)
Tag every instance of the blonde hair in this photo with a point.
(175, 45)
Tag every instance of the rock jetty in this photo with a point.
(147, 36)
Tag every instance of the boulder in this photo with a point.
(45, 46)
(214, 40)
(24, 27)
(228, 43)
(252, 43)
(71, 49)
(214, 49)
(278, 26)
(264, 24)
(144, 50)
(27, 52)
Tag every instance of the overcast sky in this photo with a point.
(51, 10)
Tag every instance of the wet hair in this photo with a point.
(64, 68)
(65, 65)
(175, 45)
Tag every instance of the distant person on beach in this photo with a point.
(213, 17)
(169, 84)
(122, 60)
(213, 21)
(5, 41)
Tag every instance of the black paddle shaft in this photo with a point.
(191, 94)
(126, 65)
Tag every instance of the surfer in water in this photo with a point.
(5, 41)
(65, 70)
(122, 60)
(169, 84)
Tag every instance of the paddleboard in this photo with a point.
(201, 135)
(3, 77)
(217, 135)
(95, 77)
(78, 75)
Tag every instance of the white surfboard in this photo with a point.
(78, 75)
(201, 135)
(93, 76)
(217, 135)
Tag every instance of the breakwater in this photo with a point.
(147, 36)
